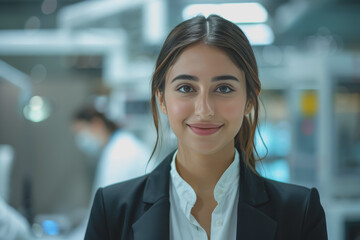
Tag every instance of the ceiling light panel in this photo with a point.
(235, 12)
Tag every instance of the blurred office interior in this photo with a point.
(57, 54)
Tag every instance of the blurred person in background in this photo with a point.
(13, 226)
(121, 155)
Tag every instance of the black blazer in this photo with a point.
(139, 209)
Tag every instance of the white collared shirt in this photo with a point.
(224, 217)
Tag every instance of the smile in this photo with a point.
(204, 129)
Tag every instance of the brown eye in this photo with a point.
(185, 89)
(224, 89)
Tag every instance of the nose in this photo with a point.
(204, 108)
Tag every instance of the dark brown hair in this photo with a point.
(89, 113)
(227, 36)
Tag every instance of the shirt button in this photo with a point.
(220, 191)
(219, 223)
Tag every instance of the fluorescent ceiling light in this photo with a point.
(154, 21)
(258, 34)
(235, 12)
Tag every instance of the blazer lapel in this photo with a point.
(154, 223)
(252, 223)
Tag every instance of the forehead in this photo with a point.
(203, 59)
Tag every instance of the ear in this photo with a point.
(160, 97)
(97, 125)
(96, 122)
(248, 107)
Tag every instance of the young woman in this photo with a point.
(206, 82)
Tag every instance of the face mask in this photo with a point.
(87, 143)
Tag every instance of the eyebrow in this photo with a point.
(214, 79)
(224, 77)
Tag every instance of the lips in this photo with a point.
(204, 129)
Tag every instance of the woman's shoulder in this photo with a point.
(296, 207)
(115, 207)
(126, 190)
(283, 188)
(152, 185)
(287, 190)
(292, 197)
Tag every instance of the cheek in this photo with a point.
(233, 110)
(177, 108)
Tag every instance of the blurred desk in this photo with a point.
(58, 226)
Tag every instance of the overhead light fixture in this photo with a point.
(235, 12)
(250, 17)
(258, 34)
(37, 110)
(154, 21)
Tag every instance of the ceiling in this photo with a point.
(293, 21)
(339, 19)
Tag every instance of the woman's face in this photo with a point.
(204, 99)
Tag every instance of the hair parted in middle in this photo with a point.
(227, 36)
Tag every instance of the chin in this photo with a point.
(205, 148)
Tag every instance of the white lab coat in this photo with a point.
(124, 157)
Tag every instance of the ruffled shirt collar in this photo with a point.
(229, 181)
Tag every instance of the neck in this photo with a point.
(203, 171)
